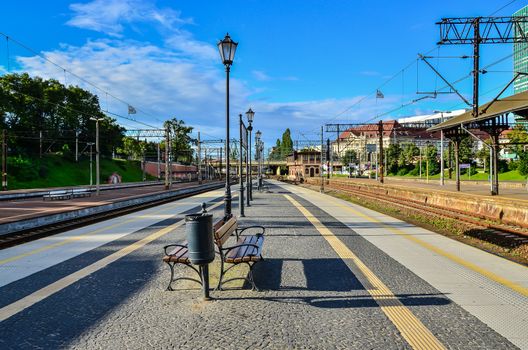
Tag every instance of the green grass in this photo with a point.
(56, 171)
(512, 175)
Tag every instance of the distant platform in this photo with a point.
(19, 210)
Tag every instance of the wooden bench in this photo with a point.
(247, 250)
(81, 192)
(57, 194)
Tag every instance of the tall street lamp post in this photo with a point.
(97, 151)
(250, 115)
(243, 134)
(227, 48)
(258, 134)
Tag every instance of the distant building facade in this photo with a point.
(303, 164)
(520, 57)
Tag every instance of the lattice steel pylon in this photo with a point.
(482, 30)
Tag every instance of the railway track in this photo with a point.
(516, 233)
(12, 239)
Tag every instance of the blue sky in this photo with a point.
(300, 63)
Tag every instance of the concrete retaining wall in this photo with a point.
(504, 210)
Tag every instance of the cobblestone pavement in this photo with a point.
(310, 298)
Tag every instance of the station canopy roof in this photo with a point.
(517, 103)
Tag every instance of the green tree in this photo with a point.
(350, 156)
(519, 135)
(393, 153)
(180, 140)
(430, 154)
(409, 151)
(286, 144)
(276, 152)
(31, 105)
(466, 150)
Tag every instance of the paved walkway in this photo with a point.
(353, 279)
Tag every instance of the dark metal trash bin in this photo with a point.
(199, 229)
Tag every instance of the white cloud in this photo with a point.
(262, 76)
(108, 16)
(370, 73)
(180, 78)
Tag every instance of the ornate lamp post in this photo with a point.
(227, 48)
(258, 134)
(250, 115)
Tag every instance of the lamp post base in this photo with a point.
(227, 203)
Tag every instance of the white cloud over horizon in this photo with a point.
(179, 78)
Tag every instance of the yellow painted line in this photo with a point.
(79, 237)
(484, 272)
(41, 294)
(410, 327)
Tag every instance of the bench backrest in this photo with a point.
(57, 192)
(223, 230)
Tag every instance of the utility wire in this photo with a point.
(402, 70)
(35, 52)
(503, 7)
(77, 111)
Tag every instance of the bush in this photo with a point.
(513, 165)
(402, 172)
(502, 165)
(22, 169)
(523, 163)
(415, 171)
(473, 170)
(43, 171)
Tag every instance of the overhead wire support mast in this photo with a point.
(424, 58)
(482, 30)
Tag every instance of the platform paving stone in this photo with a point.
(310, 298)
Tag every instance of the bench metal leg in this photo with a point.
(172, 279)
(249, 278)
(222, 273)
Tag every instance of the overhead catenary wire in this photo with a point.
(78, 111)
(86, 81)
(409, 103)
(410, 64)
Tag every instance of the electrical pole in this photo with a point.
(241, 178)
(145, 162)
(380, 163)
(167, 141)
(221, 165)
(328, 158)
(495, 30)
(76, 145)
(97, 152)
(40, 144)
(199, 160)
(159, 165)
(4, 160)
(420, 161)
(476, 61)
(321, 170)
(91, 162)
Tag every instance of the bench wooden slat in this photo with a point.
(246, 253)
(223, 233)
(179, 254)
